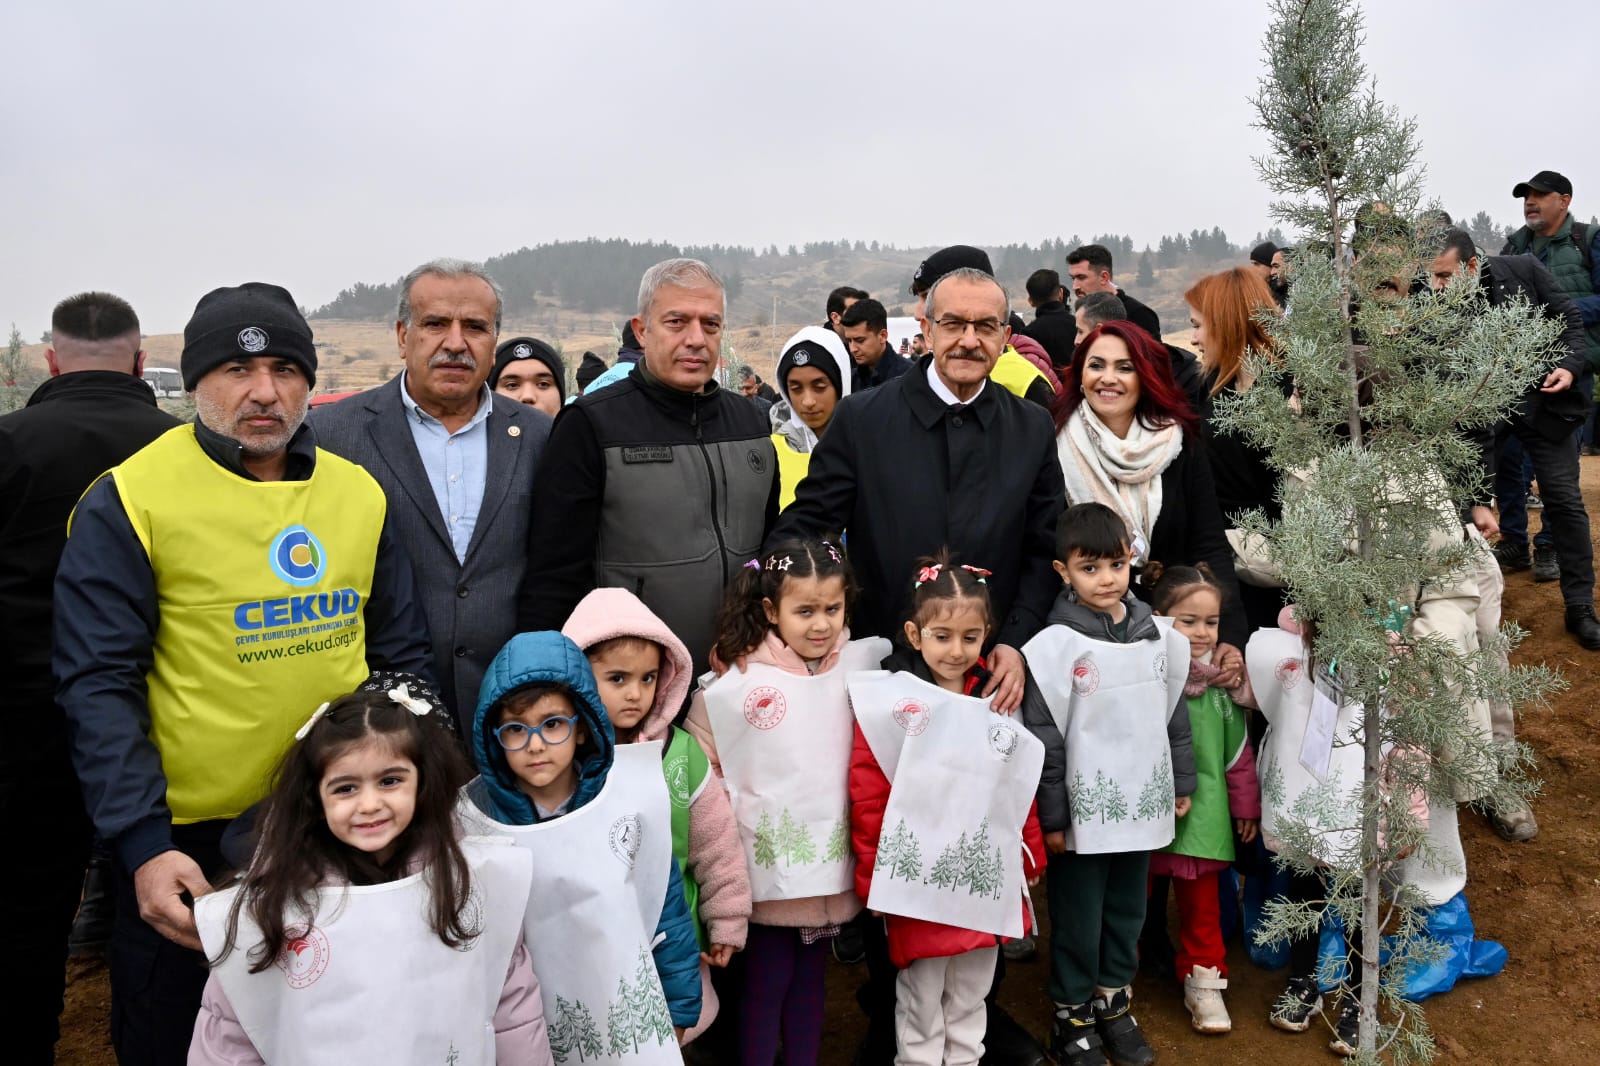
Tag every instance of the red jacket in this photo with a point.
(912, 938)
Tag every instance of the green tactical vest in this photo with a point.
(1561, 254)
(1220, 735)
(685, 766)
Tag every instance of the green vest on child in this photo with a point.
(1220, 734)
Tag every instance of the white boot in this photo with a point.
(1202, 994)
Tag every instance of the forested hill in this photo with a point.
(791, 284)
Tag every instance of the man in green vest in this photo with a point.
(1571, 251)
(215, 588)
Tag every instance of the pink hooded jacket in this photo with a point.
(816, 911)
(716, 858)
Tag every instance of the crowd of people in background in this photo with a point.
(467, 721)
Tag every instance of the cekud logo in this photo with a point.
(297, 557)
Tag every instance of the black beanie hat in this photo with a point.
(1263, 253)
(946, 261)
(530, 348)
(812, 354)
(589, 369)
(255, 318)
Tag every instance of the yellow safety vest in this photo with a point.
(792, 469)
(261, 588)
(1014, 373)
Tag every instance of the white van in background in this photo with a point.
(164, 381)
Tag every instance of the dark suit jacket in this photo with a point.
(471, 606)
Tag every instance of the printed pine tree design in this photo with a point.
(453, 1057)
(1272, 786)
(900, 853)
(638, 1013)
(1085, 800)
(946, 872)
(838, 846)
(969, 863)
(572, 1029)
(1113, 804)
(1156, 798)
(766, 842)
(794, 841)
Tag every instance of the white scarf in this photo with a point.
(1124, 473)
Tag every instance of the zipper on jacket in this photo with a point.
(711, 476)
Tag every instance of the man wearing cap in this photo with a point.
(590, 368)
(1267, 260)
(92, 413)
(1009, 370)
(529, 371)
(1571, 251)
(666, 483)
(456, 462)
(215, 587)
(1090, 268)
(941, 457)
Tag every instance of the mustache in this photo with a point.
(466, 359)
(256, 411)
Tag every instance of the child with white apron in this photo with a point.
(364, 929)
(942, 817)
(643, 672)
(1226, 798)
(1287, 683)
(606, 923)
(777, 727)
(1119, 770)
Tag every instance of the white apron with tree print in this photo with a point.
(437, 1011)
(600, 878)
(783, 741)
(962, 779)
(1291, 794)
(1439, 870)
(1112, 703)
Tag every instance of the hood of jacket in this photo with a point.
(772, 651)
(605, 614)
(528, 659)
(785, 422)
(1067, 611)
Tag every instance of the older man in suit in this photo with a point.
(456, 462)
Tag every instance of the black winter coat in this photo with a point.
(1055, 327)
(1141, 315)
(1551, 415)
(904, 475)
(74, 428)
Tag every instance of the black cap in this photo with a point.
(1263, 253)
(946, 261)
(236, 323)
(591, 367)
(529, 348)
(1544, 181)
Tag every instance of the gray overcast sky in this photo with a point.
(160, 149)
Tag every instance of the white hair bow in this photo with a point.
(316, 716)
(401, 694)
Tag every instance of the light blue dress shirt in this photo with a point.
(457, 464)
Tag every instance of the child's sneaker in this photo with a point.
(1202, 994)
(1301, 1001)
(1119, 1030)
(1347, 1030)
(1073, 1039)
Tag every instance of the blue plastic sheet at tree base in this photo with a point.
(1451, 924)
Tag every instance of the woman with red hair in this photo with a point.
(1127, 437)
(1224, 309)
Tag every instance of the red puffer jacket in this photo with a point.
(912, 938)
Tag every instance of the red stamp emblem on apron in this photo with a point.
(1085, 675)
(1289, 672)
(912, 716)
(765, 707)
(305, 957)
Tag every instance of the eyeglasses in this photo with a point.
(514, 736)
(987, 329)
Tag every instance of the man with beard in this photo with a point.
(456, 463)
(1266, 259)
(1090, 268)
(215, 588)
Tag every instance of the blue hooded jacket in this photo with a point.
(543, 658)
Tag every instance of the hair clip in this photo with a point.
(401, 694)
(833, 553)
(978, 572)
(753, 564)
(774, 563)
(316, 716)
(927, 574)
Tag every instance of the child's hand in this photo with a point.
(1247, 828)
(718, 956)
(1230, 662)
(1056, 843)
(1181, 806)
(1032, 881)
(679, 1030)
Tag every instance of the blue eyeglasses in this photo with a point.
(514, 736)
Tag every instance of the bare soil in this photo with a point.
(1541, 900)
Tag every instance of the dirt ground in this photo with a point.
(1541, 900)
